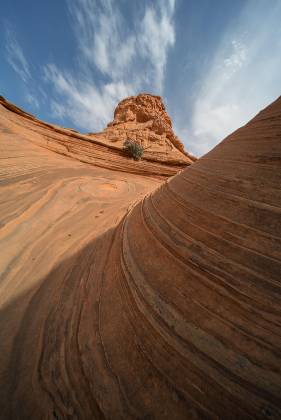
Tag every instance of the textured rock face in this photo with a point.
(124, 296)
(95, 150)
(143, 118)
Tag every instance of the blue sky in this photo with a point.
(216, 63)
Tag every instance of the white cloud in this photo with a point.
(236, 59)
(243, 77)
(156, 36)
(99, 28)
(32, 100)
(15, 56)
(83, 103)
(129, 59)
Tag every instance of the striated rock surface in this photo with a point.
(123, 300)
(143, 118)
(95, 149)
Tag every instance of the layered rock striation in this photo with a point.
(94, 149)
(128, 296)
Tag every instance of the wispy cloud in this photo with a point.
(15, 56)
(32, 100)
(123, 59)
(243, 77)
(82, 102)
(102, 40)
(156, 36)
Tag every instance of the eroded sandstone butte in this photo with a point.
(143, 118)
(128, 296)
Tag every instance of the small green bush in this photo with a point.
(133, 149)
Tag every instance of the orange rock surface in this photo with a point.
(93, 149)
(125, 294)
(143, 118)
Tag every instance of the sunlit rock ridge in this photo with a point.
(129, 293)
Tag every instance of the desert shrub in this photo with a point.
(133, 149)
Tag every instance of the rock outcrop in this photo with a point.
(131, 296)
(143, 118)
(94, 149)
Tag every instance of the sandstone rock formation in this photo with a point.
(143, 118)
(93, 149)
(128, 296)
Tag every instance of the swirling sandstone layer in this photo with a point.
(171, 312)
